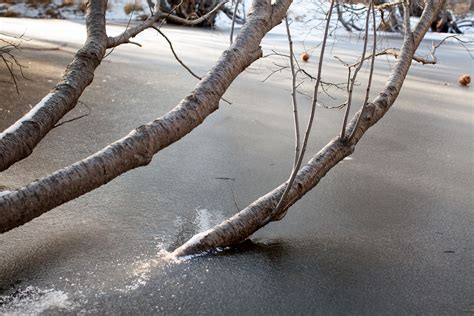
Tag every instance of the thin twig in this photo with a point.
(293, 94)
(280, 69)
(356, 71)
(395, 52)
(456, 37)
(280, 210)
(180, 61)
(9, 59)
(77, 117)
(233, 196)
(123, 34)
(275, 53)
(233, 22)
(42, 48)
(163, 19)
(174, 53)
(341, 61)
(197, 21)
(369, 82)
(9, 66)
(231, 186)
(388, 5)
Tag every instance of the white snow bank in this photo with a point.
(307, 19)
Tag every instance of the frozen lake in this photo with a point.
(389, 231)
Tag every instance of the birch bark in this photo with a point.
(137, 148)
(240, 226)
(17, 142)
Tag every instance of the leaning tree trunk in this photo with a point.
(240, 226)
(137, 149)
(18, 141)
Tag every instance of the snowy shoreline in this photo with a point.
(306, 16)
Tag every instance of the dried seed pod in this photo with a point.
(304, 56)
(464, 80)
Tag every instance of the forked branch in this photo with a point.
(280, 210)
(250, 219)
(351, 81)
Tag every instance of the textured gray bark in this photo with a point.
(137, 148)
(259, 213)
(18, 141)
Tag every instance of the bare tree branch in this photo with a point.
(75, 118)
(180, 61)
(9, 66)
(434, 47)
(280, 209)
(137, 149)
(234, 15)
(388, 5)
(369, 82)
(293, 94)
(134, 31)
(175, 55)
(9, 59)
(250, 219)
(395, 52)
(356, 71)
(18, 141)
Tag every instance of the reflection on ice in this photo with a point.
(142, 269)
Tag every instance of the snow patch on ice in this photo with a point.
(33, 300)
(141, 270)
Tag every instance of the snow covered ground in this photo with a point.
(307, 16)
